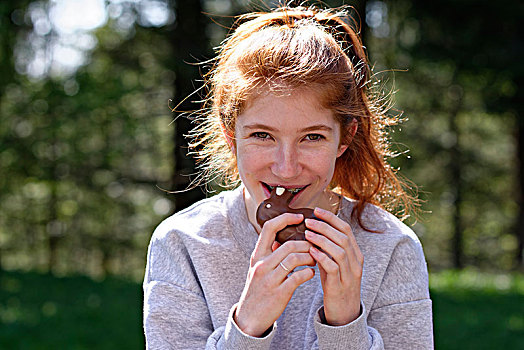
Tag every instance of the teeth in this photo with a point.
(280, 190)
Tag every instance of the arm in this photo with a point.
(173, 299)
(176, 314)
(401, 317)
(355, 335)
(401, 313)
(175, 318)
(341, 322)
(169, 312)
(402, 309)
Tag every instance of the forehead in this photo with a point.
(301, 107)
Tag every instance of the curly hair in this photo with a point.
(291, 48)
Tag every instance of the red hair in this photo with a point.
(291, 48)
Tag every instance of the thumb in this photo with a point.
(269, 231)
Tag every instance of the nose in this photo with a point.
(286, 164)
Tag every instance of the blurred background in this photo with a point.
(89, 148)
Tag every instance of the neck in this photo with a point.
(333, 202)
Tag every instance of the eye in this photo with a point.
(315, 137)
(260, 135)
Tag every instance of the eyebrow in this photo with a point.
(269, 128)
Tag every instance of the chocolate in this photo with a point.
(279, 204)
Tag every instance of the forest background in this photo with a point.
(89, 144)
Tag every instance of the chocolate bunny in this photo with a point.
(278, 204)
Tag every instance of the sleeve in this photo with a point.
(356, 335)
(176, 315)
(402, 311)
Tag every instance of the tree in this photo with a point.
(190, 45)
(84, 152)
(448, 49)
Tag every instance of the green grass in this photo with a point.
(478, 311)
(38, 311)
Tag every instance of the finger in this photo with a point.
(296, 279)
(286, 249)
(338, 231)
(275, 245)
(291, 262)
(269, 231)
(350, 264)
(331, 268)
(328, 231)
(336, 252)
(333, 220)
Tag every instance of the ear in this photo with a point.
(352, 129)
(229, 137)
(341, 149)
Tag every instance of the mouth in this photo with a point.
(295, 190)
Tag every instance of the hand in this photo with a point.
(269, 287)
(340, 264)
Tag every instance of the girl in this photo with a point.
(290, 107)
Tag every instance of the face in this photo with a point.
(287, 140)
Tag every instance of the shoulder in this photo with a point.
(394, 234)
(178, 237)
(402, 257)
(385, 223)
(194, 220)
(390, 242)
(379, 223)
(394, 262)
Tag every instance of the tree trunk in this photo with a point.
(455, 168)
(519, 231)
(190, 45)
(54, 229)
(456, 185)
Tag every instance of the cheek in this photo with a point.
(250, 158)
(323, 165)
(324, 157)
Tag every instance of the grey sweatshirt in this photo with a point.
(197, 265)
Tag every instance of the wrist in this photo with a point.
(338, 319)
(247, 328)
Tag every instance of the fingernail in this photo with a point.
(310, 222)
